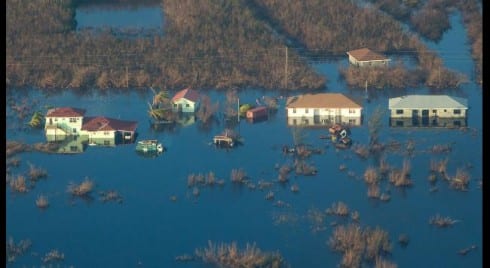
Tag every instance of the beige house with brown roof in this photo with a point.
(323, 109)
(366, 57)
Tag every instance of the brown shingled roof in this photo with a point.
(65, 112)
(322, 100)
(101, 123)
(187, 93)
(365, 54)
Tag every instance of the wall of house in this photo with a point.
(443, 113)
(187, 106)
(324, 121)
(74, 123)
(107, 138)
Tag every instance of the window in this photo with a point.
(106, 142)
(306, 110)
(56, 119)
(187, 105)
(434, 111)
(106, 132)
(306, 121)
(352, 121)
(74, 130)
(399, 111)
(175, 105)
(399, 123)
(294, 122)
(352, 111)
(294, 110)
(73, 120)
(457, 111)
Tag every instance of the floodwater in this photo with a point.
(150, 230)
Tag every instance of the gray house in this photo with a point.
(428, 110)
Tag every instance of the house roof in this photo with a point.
(321, 100)
(101, 123)
(65, 112)
(188, 94)
(366, 54)
(427, 101)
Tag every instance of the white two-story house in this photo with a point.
(323, 109)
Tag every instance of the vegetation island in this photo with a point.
(234, 44)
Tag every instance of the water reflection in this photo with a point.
(429, 122)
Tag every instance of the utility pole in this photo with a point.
(286, 70)
(238, 110)
(127, 77)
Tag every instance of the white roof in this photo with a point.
(427, 102)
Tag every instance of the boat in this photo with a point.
(149, 146)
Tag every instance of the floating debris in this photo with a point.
(465, 251)
(269, 195)
(53, 256)
(403, 239)
(184, 258)
(294, 188)
(173, 198)
(111, 195)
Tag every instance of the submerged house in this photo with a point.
(186, 101)
(323, 109)
(108, 131)
(428, 110)
(366, 57)
(67, 123)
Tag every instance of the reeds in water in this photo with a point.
(371, 176)
(440, 148)
(19, 184)
(401, 178)
(14, 250)
(362, 151)
(238, 176)
(229, 255)
(460, 181)
(83, 189)
(42, 202)
(36, 173)
(339, 209)
(359, 244)
(441, 222)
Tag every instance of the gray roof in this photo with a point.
(428, 102)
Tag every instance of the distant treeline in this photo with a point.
(206, 44)
(338, 26)
(430, 19)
